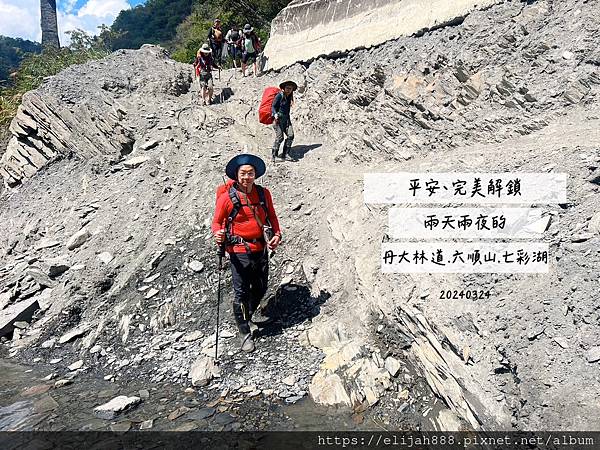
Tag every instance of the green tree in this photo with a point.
(152, 23)
(182, 26)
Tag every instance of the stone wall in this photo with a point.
(307, 29)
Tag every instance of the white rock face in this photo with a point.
(593, 354)
(116, 406)
(328, 390)
(325, 336)
(392, 365)
(136, 161)
(105, 257)
(76, 365)
(594, 225)
(19, 311)
(72, 334)
(78, 239)
(196, 266)
(203, 370)
(337, 26)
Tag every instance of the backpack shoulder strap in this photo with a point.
(235, 200)
(263, 201)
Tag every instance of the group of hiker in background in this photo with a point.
(242, 45)
(275, 104)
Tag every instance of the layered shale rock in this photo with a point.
(77, 114)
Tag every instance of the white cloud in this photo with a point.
(90, 16)
(21, 18)
(103, 8)
(69, 5)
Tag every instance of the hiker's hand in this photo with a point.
(274, 242)
(220, 237)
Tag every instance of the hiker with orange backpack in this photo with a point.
(246, 224)
(282, 124)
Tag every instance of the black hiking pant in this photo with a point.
(217, 51)
(250, 276)
(279, 132)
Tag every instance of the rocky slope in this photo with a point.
(110, 244)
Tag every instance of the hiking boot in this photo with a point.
(260, 319)
(247, 343)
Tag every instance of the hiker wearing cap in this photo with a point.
(204, 65)
(234, 44)
(250, 49)
(246, 223)
(215, 38)
(280, 110)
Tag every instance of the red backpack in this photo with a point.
(222, 188)
(264, 110)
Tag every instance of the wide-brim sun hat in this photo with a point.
(288, 82)
(205, 49)
(245, 158)
(248, 28)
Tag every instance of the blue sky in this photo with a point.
(21, 18)
(79, 3)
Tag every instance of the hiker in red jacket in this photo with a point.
(246, 223)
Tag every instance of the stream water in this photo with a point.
(28, 402)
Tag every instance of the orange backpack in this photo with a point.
(264, 110)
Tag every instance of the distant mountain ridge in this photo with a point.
(155, 22)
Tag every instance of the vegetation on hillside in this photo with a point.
(155, 22)
(12, 52)
(183, 26)
(179, 25)
(36, 66)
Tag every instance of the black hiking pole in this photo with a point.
(221, 254)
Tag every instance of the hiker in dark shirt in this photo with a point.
(234, 44)
(281, 115)
(216, 39)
